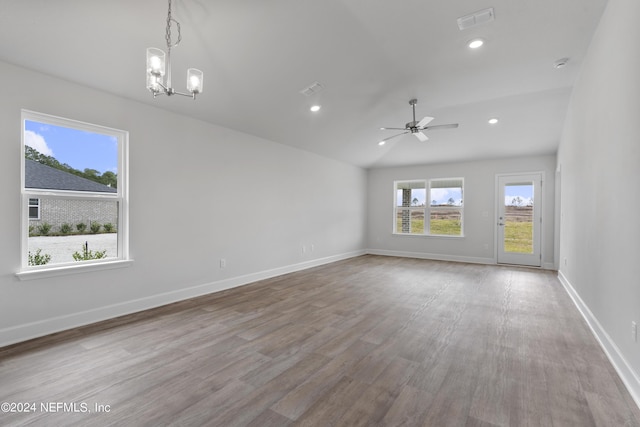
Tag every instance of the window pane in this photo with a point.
(446, 222)
(411, 194)
(445, 192)
(518, 224)
(33, 212)
(63, 158)
(86, 228)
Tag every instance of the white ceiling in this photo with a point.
(371, 56)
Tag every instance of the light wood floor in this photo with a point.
(367, 341)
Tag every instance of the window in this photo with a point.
(34, 209)
(74, 200)
(410, 207)
(445, 208)
(434, 208)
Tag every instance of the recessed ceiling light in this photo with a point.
(382, 143)
(475, 43)
(493, 121)
(315, 108)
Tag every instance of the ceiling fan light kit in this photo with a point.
(417, 127)
(159, 66)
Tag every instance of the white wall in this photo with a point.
(479, 197)
(599, 160)
(198, 193)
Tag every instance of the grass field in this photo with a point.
(445, 227)
(518, 235)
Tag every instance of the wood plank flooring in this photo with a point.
(370, 341)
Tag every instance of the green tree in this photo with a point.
(108, 178)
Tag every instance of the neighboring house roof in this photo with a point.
(38, 175)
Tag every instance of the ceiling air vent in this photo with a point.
(315, 87)
(477, 18)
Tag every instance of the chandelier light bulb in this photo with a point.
(194, 80)
(155, 65)
(155, 61)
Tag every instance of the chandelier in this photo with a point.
(158, 68)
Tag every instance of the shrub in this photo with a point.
(65, 228)
(31, 228)
(38, 258)
(109, 228)
(87, 255)
(95, 227)
(44, 228)
(81, 227)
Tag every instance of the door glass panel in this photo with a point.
(518, 218)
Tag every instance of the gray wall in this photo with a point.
(599, 163)
(479, 209)
(198, 193)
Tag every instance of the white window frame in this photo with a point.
(427, 208)
(37, 217)
(122, 259)
(410, 208)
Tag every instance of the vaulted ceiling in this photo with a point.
(370, 56)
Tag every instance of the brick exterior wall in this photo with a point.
(406, 214)
(59, 211)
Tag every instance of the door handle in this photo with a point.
(501, 223)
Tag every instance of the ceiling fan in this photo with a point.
(416, 128)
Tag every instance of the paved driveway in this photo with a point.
(61, 248)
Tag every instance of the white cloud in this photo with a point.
(37, 142)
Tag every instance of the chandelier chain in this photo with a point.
(168, 33)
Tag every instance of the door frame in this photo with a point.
(538, 213)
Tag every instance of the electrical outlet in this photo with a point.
(313, 247)
(304, 249)
(223, 263)
(634, 331)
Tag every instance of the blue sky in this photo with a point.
(525, 192)
(77, 148)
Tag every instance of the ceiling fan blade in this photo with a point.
(391, 137)
(422, 123)
(393, 128)
(449, 126)
(421, 136)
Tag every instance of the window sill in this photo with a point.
(72, 269)
(433, 236)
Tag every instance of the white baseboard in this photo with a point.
(436, 257)
(441, 257)
(19, 333)
(629, 377)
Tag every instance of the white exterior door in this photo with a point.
(519, 219)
